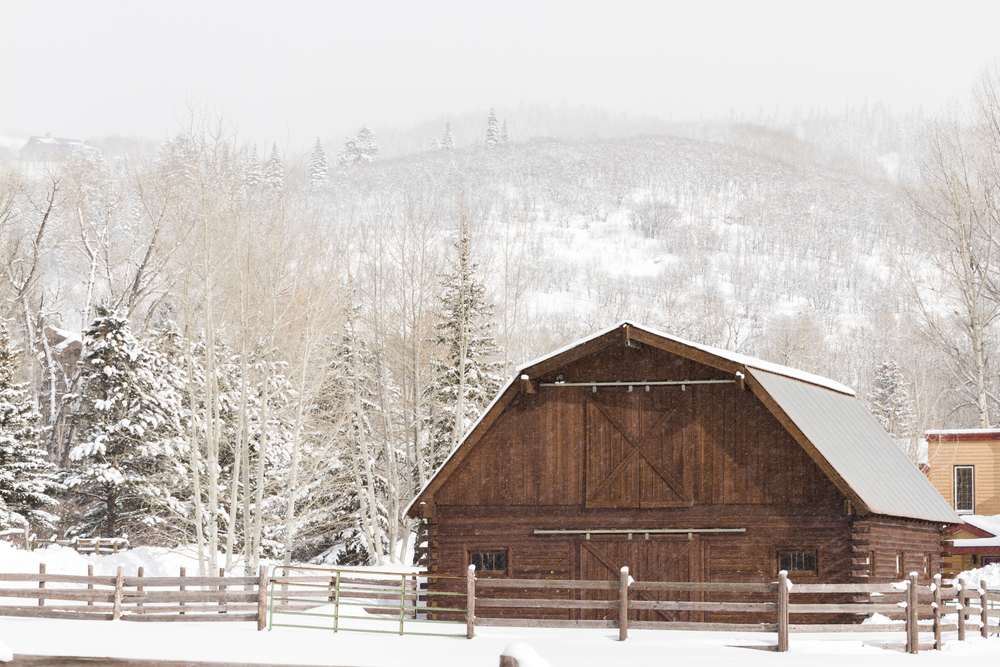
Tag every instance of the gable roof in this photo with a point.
(823, 416)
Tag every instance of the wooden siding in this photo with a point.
(945, 454)
(628, 458)
(710, 444)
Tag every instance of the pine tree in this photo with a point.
(504, 137)
(26, 479)
(468, 373)
(127, 420)
(318, 173)
(448, 142)
(361, 148)
(892, 406)
(253, 170)
(274, 171)
(492, 129)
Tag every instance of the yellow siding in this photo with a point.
(983, 454)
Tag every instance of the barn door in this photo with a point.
(659, 559)
(641, 447)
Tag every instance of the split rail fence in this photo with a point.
(21, 538)
(138, 598)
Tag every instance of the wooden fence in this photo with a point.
(138, 598)
(921, 607)
(22, 538)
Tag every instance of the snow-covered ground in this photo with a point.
(240, 642)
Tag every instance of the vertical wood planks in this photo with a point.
(139, 589)
(984, 628)
(41, 584)
(90, 587)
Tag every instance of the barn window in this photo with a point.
(964, 489)
(489, 561)
(797, 561)
(871, 565)
(899, 564)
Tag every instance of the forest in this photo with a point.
(213, 343)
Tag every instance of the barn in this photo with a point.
(683, 462)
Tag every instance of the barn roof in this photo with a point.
(824, 417)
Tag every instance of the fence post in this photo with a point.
(937, 612)
(782, 611)
(182, 587)
(139, 589)
(27, 540)
(961, 610)
(223, 607)
(912, 632)
(90, 586)
(262, 598)
(116, 611)
(41, 584)
(984, 617)
(470, 602)
(623, 605)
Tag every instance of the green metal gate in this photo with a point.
(356, 600)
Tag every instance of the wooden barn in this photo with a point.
(683, 462)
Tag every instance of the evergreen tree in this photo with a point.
(468, 373)
(274, 171)
(253, 170)
(492, 129)
(361, 148)
(504, 137)
(26, 479)
(318, 173)
(891, 404)
(127, 420)
(448, 142)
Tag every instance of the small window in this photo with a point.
(899, 565)
(489, 561)
(797, 561)
(871, 565)
(965, 489)
(927, 564)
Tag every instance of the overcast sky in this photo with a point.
(292, 71)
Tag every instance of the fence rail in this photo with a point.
(23, 539)
(138, 598)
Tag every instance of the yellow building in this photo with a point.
(964, 466)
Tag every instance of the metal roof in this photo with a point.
(858, 449)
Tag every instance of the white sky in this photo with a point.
(292, 71)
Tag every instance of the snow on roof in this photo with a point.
(964, 431)
(991, 524)
(735, 357)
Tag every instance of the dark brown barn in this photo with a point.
(683, 462)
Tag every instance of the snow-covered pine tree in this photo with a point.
(468, 370)
(26, 479)
(361, 148)
(448, 142)
(274, 171)
(504, 137)
(891, 404)
(492, 129)
(127, 421)
(318, 172)
(253, 170)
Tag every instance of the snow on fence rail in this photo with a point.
(20, 537)
(138, 598)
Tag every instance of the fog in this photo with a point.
(289, 72)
